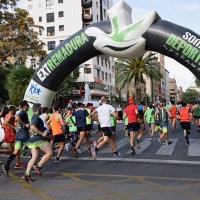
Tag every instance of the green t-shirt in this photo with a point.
(149, 116)
(88, 121)
(197, 112)
(112, 121)
(72, 127)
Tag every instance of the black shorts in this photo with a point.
(135, 126)
(81, 129)
(88, 127)
(113, 128)
(107, 131)
(185, 125)
(59, 138)
(141, 114)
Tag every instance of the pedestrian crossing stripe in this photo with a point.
(193, 148)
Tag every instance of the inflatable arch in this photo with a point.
(119, 38)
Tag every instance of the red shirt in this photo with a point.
(130, 112)
(184, 114)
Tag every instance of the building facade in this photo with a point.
(173, 90)
(167, 90)
(61, 19)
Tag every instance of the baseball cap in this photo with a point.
(131, 100)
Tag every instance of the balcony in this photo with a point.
(86, 3)
(87, 17)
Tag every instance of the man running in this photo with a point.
(185, 116)
(104, 114)
(141, 111)
(163, 115)
(173, 111)
(37, 142)
(57, 123)
(22, 136)
(133, 124)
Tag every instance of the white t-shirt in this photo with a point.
(104, 115)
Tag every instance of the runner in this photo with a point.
(141, 111)
(56, 126)
(80, 115)
(22, 136)
(119, 113)
(37, 142)
(133, 124)
(10, 132)
(163, 115)
(88, 121)
(185, 116)
(150, 119)
(173, 111)
(104, 114)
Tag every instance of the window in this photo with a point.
(33, 63)
(30, 7)
(40, 19)
(111, 88)
(60, 1)
(98, 74)
(61, 14)
(106, 63)
(40, 32)
(104, 12)
(112, 68)
(98, 60)
(50, 17)
(39, 5)
(102, 75)
(109, 64)
(87, 71)
(108, 4)
(97, 4)
(51, 31)
(102, 62)
(61, 28)
(106, 76)
(104, 2)
(86, 13)
(49, 4)
(97, 17)
(61, 41)
(51, 45)
(110, 77)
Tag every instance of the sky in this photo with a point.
(182, 12)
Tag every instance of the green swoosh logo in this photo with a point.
(119, 37)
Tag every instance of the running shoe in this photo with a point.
(117, 155)
(74, 151)
(1, 161)
(67, 146)
(169, 143)
(80, 150)
(151, 139)
(40, 156)
(126, 133)
(163, 142)
(137, 144)
(27, 178)
(19, 166)
(58, 160)
(5, 170)
(37, 170)
(133, 151)
(187, 143)
(94, 153)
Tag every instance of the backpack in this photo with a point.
(163, 116)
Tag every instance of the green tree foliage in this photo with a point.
(17, 82)
(66, 88)
(4, 72)
(18, 34)
(190, 96)
(197, 81)
(133, 70)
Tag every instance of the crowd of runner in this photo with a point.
(49, 129)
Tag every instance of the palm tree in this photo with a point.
(129, 71)
(17, 82)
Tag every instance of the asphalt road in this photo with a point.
(156, 172)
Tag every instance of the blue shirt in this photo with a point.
(80, 115)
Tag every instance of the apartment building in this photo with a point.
(167, 96)
(63, 18)
(173, 89)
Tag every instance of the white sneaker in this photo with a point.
(185, 133)
(67, 146)
(79, 150)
